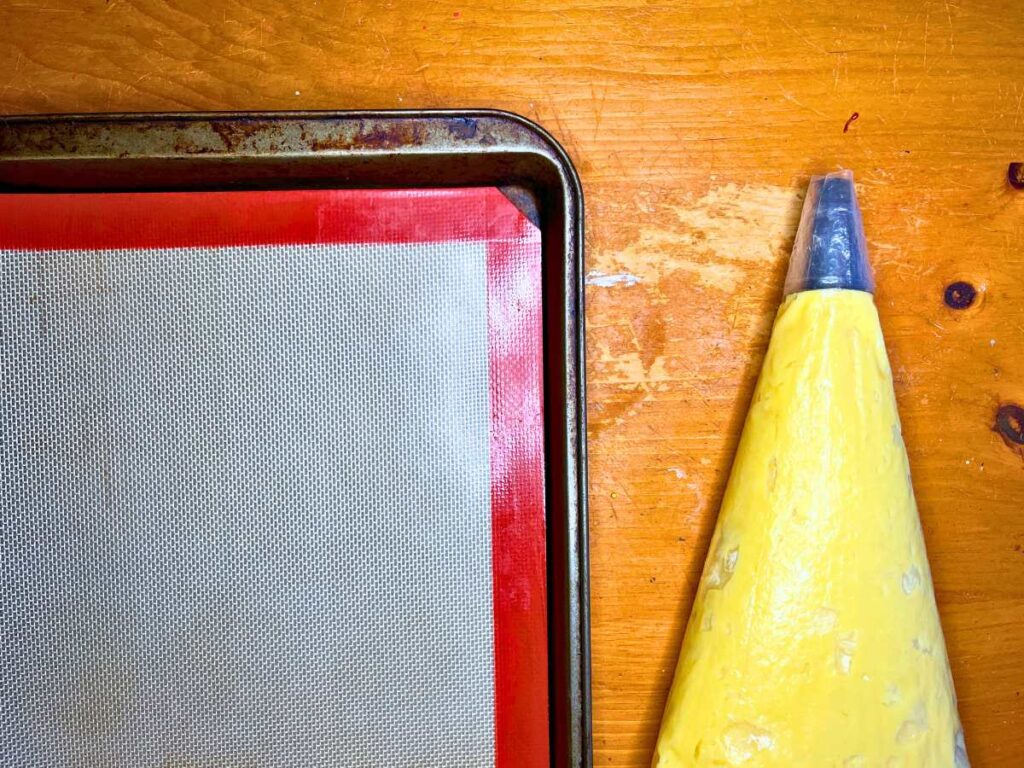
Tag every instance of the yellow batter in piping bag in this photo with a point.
(814, 640)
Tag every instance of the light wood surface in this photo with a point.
(694, 127)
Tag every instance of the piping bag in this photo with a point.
(814, 640)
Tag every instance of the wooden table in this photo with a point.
(695, 127)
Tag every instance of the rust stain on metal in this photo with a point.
(235, 132)
(185, 146)
(1010, 425)
(375, 136)
(42, 141)
(462, 127)
(246, 136)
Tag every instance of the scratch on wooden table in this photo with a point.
(800, 35)
(717, 236)
(599, 108)
(36, 9)
(895, 57)
(949, 21)
(927, 18)
(790, 97)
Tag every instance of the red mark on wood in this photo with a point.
(849, 122)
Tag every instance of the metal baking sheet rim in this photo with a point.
(192, 151)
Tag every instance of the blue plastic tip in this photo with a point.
(830, 251)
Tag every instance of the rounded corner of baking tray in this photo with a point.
(537, 135)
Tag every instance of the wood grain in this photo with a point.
(694, 128)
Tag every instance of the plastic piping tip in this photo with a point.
(829, 251)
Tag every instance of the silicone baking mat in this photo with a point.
(273, 476)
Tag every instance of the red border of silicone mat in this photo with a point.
(210, 219)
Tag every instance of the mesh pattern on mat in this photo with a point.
(246, 507)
